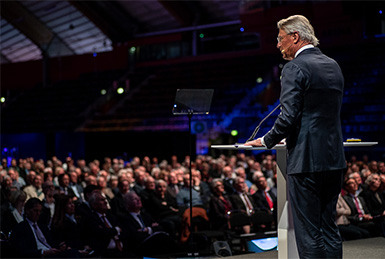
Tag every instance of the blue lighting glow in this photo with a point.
(94, 54)
(242, 29)
(380, 11)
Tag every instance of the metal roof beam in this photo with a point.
(25, 22)
(109, 17)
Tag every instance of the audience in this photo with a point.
(31, 239)
(75, 194)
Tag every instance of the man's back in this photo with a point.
(315, 140)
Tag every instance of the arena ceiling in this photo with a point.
(32, 29)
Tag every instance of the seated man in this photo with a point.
(31, 239)
(359, 212)
(101, 229)
(183, 196)
(144, 234)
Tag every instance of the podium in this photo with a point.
(287, 247)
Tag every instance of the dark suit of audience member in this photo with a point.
(164, 209)
(149, 190)
(220, 206)
(173, 186)
(101, 230)
(145, 235)
(117, 203)
(64, 187)
(33, 240)
(241, 200)
(265, 197)
(65, 226)
(359, 211)
(375, 200)
(228, 180)
(83, 210)
(13, 214)
(347, 230)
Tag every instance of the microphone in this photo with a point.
(259, 125)
(284, 50)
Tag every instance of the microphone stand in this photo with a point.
(259, 125)
(192, 245)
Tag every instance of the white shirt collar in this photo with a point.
(309, 46)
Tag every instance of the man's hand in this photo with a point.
(255, 143)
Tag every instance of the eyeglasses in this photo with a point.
(280, 38)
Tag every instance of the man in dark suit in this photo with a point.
(33, 240)
(266, 197)
(144, 234)
(101, 229)
(311, 98)
(359, 215)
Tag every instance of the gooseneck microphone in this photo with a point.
(259, 125)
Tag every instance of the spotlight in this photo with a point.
(120, 90)
(234, 133)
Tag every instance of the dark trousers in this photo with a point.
(313, 199)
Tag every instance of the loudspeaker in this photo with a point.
(222, 248)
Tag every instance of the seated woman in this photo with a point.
(375, 200)
(220, 206)
(65, 226)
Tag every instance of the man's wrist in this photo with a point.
(263, 141)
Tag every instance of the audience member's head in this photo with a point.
(132, 202)
(373, 181)
(351, 186)
(32, 209)
(98, 202)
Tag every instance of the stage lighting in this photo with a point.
(120, 90)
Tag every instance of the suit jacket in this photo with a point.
(131, 226)
(354, 218)
(311, 98)
(259, 198)
(97, 234)
(69, 232)
(217, 212)
(374, 206)
(117, 206)
(238, 204)
(24, 242)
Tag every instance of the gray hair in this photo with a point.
(370, 178)
(300, 24)
(215, 181)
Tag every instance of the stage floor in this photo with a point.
(370, 248)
